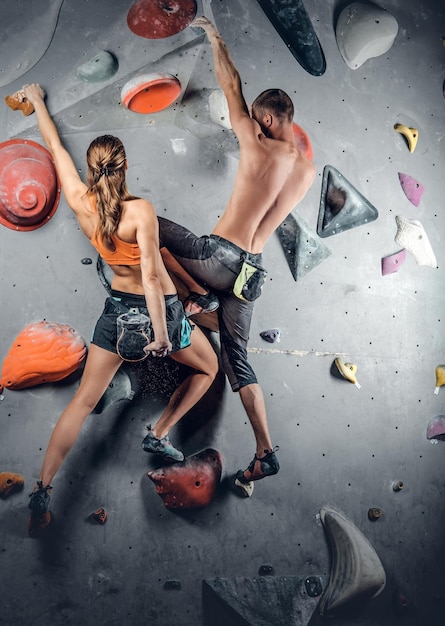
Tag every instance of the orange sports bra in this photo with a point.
(124, 253)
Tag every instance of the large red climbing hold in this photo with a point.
(191, 484)
(29, 187)
(41, 353)
(157, 19)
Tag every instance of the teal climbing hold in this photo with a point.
(101, 67)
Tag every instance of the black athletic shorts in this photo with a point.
(105, 332)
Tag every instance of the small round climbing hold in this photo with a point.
(272, 336)
(266, 570)
(101, 67)
(374, 514)
(150, 93)
(100, 515)
(86, 261)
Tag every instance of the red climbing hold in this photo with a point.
(29, 187)
(157, 19)
(191, 484)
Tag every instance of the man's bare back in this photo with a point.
(272, 177)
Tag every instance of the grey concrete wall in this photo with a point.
(339, 445)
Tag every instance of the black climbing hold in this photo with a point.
(172, 585)
(272, 335)
(86, 261)
(313, 586)
(266, 570)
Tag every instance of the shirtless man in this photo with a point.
(273, 176)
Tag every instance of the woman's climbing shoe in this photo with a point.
(200, 303)
(39, 499)
(258, 468)
(39, 505)
(163, 447)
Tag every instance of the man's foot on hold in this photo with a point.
(200, 303)
(163, 447)
(258, 468)
(39, 504)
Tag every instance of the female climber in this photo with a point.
(124, 230)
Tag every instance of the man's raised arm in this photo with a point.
(226, 73)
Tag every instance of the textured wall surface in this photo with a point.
(339, 445)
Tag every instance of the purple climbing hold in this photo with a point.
(412, 188)
(393, 262)
(436, 428)
(272, 336)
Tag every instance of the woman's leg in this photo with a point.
(100, 367)
(202, 358)
(199, 300)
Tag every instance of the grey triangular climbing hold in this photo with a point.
(118, 389)
(302, 247)
(258, 601)
(357, 574)
(341, 206)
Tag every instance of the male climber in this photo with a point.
(273, 176)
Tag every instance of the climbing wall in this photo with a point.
(350, 384)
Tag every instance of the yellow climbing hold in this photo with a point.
(440, 378)
(411, 135)
(348, 371)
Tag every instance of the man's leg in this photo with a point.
(234, 323)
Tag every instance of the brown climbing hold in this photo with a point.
(100, 515)
(374, 514)
(38, 522)
(9, 483)
(18, 101)
(191, 484)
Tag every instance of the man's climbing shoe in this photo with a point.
(163, 447)
(39, 505)
(200, 303)
(259, 468)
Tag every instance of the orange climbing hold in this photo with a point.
(9, 483)
(43, 352)
(302, 140)
(150, 93)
